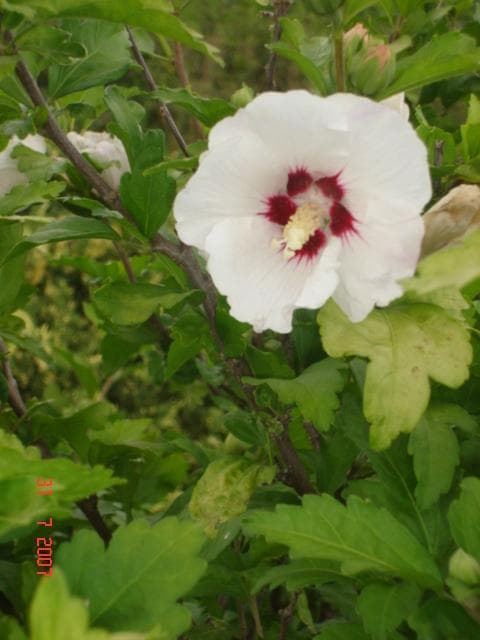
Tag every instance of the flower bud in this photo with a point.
(464, 567)
(242, 96)
(452, 218)
(372, 68)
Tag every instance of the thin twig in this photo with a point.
(88, 505)
(164, 110)
(182, 254)
(297, 475)
(182, 74)
(14, 396)
(256, 617)
(286, 616)
(54, 132)
(280, 9)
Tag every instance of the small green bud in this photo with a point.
(242, 96)
(372, 69)
(464, 567)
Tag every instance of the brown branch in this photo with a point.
(281, 7)
(182, 74)
(164, 110)
(88, 505)
(14, 396)
(297, 475)
(54, 132)
(286, 616)
(180, 253)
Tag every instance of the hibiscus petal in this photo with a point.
(263, 288)
(373, 261)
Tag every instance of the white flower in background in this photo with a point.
(300, 198)
(106, 151)
(10, 176)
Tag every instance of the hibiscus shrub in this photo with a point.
(239, 325)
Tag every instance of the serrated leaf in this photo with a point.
(207, 110)
(68, 228)
(309, 54)
(20, 468)
(53, 44)
(56, 615)
(434, 447)
(314, 391)
(443, 619)
(11, 274)
(342, 631)
(146, 14)
(149, 198)
(354, 7)
(384, 606)
(23, 196)
(445, 56)
(299, 574)
(359, 536)
(407, 345)
(223, 491)
(190, 335)
(454, 266)
(107, 57)
(141, 575)
(131, 303)
(464, 517)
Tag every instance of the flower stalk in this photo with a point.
(339, 61)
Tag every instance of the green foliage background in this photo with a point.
(209, 482)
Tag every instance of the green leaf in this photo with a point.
(56, 615)
(406, 344)
(464, 517)
(20, 468)
(299, 574)
(128, 115)
(354, 7)
(223, 491)
(147, 14)
(443, 619)
(342, 631)
(383, 607)
(10, 629)
(309, 54)
(445, 56)
(51, 43)
(190, 335)
(149, 198)
(23, 196)
(139, 577)
(107, 57)
(40, 167)
(454, 266)
(434, 447)
(207, 110)
(359, 536)
(126, 304)
(11, 274)
(68, 228)
(245, 426)
(314, 391)
(265, 364)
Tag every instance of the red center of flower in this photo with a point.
(311, 211)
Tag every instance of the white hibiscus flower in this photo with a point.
(106, 151)
(10, 176)
(300, 198)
